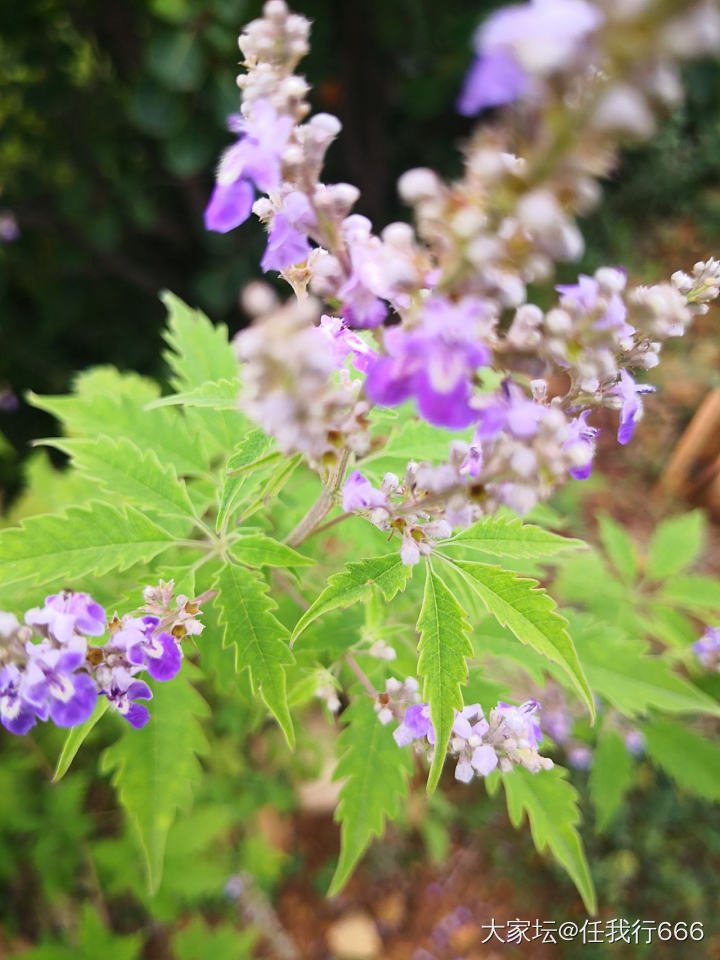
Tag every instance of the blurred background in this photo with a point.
(111, 120)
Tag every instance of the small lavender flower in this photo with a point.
(360, 494)
(53, 685)
(288, 242)
(123, 693)
(707, 648)
(16, 715)
(631, 406)
(66, 613)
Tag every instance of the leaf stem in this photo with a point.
(360, 674)
(322, 506)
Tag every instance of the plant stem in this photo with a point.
(322, 506)
(360, 674)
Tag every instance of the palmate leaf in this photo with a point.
(693, 593)
(126, 471)
(631, 680)
(257, 550)
(119, 415)
(443, 649)
(675, 544)
(213, 395)
(611, 775)
(530, 613)
(200, 353)
(155, 769)
(691, 760)
(550, 802)
(199, 350)
(376, 774)
(260, 640)
(355, 583)
(509, 537)
(81, 541)
(619, 548)
(243, 471)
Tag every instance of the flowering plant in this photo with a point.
(336, 493)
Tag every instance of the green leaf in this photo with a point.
(412, 440)
(222, 941)
(75, 738)
(443, 649)
(376, 773)
(164, 431)
(550, 802)
(260, 640)
(623, 673)
(81, 541)
(257, 550)
(619, 547)
(155, 769)
(199, 350)
(510, 537)
(274, 485)
(675, 544)
(214, 394)
(354, 584)
(693, 593)
(691, 760)
(124, 470)
(530, 613)
(240, 482)
(611, 775)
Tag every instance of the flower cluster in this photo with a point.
(508, 737)
(707, 649)
(49, 671)
(447, 301)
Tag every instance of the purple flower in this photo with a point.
(415, 724)
(492, 81)
(230, 205)
(343, 341)
(67, 613)
(9, 230)
(435, 364)
(707, 648)
(254, 159)
(287, 240)
(631, 410)
(122, 694)
(361, 309)
(360, 494)
(521, 721)
(585, 294)
(582, 444)
(15, 714)
(52, 684)
(511, 410)
(634, 742)
(580, 756)
(160, 655)
(484, 759)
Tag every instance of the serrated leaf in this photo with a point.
(611, 775)
(215, 395)
(550, 802)
(199, 350)
(530, 613)
(164, 431)
(257, 550)
(411, 440)
(622, 672)
(222, 941)
(443, 649)
(241, 480)
(81, 541)
(509, 537)
(619, 547)
(675, 544)
(273, 486)
(126, 471)
(260, 640)
(75, 738)
(691, 760)
(355, 583)
(155, 769)
(376, 774)
(692, 593)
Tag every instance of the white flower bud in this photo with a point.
(419, 184)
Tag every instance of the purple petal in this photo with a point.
(494, 79)
(78, 708)
(137, 715)
(229, 206)
(164, 664)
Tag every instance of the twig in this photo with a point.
(360, 674)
